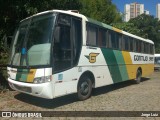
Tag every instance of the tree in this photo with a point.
(12, 11)
(149, 28)
(101, 10)
(145, 26)
(128, 27)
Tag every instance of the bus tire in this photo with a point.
(138, 77)
(84, 89)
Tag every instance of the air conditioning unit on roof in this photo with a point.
(75, 11)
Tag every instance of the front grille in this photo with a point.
(22, 88)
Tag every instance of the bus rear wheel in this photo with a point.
(84, 88)
(138, 77)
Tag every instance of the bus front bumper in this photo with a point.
(43, 90)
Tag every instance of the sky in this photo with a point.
(149, 5)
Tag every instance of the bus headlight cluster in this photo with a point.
(42, 79)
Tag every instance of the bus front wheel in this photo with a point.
(138, 76)
(84, 88)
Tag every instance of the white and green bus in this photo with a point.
(55, 53)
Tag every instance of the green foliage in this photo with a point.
(101, 10)
(128, 27)
(145, 26)
(149, 28)
(14, 11)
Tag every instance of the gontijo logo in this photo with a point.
(92, 57)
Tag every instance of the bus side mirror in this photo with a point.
(57, 32)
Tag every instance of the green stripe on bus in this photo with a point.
(111, 61)
(22, 75)
(121, 65)
(100, 23)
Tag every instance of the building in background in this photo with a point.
(132, 10)
(146, 12)
(158, 11)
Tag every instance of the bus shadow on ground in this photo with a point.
(116, 86)
(47, 103)
(69, 99)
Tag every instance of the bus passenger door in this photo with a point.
(66, 52)
(62, 44)
(67, 43)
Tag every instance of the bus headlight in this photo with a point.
(42, 79)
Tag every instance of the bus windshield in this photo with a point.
(32, 41)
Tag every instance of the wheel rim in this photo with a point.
(84, 88)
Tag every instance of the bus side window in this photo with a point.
(112, 40)
(143, 47)
(148, 48)
(109, 39)
(101, 38)
(134, 45)
(126, 43)
(137, 46)
(151, 49)
(119, 39)
(116, 40)
(92, 34)
(131, 44)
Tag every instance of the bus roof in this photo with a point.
(118, 30)
(157, 55)
(91, 21)
(60, 11)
